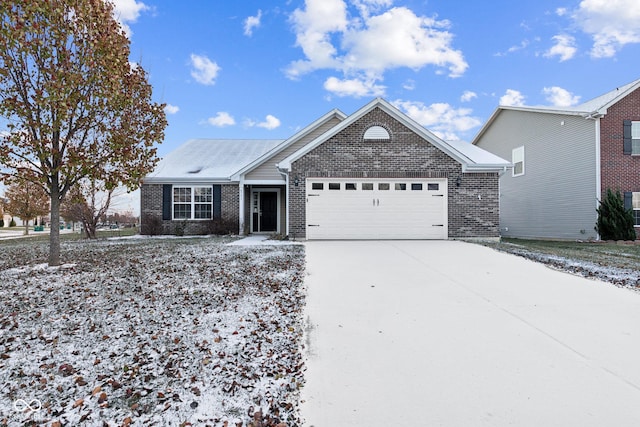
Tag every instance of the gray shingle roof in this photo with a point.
(210, 159)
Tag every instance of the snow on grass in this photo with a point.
(151, 332)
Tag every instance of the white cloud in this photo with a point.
(370, 43)
(468, 96)
(367, 7)
(221, 119)
(512, 98)
(442, 119)
(252, 22)
(561, 11)
(611, 23)
(353, 87)
(171, 109)
(204, 70)
(564, 48)
(128, 11)
(560, 97)
(409, 85)
(270, 122)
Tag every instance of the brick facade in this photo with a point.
(619, 171)
(151, 206)
(473, 207)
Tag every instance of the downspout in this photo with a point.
(596, 116)
(241, 205)
(598, 163)
(285, 174)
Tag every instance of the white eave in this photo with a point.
(466, 159)
(335, 113)
(592, 109)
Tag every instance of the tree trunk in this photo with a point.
(54, 235)
(26, 228)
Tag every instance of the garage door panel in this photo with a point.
(376, 209)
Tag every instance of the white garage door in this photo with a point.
(376, 209)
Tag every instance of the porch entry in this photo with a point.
(265, 209)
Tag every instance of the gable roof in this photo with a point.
(593, 108)
(335, 113)
(601, 103)
(209, 159)
(471, 159)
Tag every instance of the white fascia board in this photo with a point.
(264, 182)
(285, 165)
(542, 110)
(292, 140)
(187, 180)
(498, 167)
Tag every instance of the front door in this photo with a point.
(269, 210)
(265, 211)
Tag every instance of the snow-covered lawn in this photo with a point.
(151, 332)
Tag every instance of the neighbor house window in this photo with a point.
(192, 202)
(517, 158)
(635, 203)
(635, 137)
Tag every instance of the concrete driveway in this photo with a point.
(446, 333)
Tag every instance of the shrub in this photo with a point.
(1, 222)
(614, 221)
(12, 223)
(151, 225)
(179, 228)
(222, 226)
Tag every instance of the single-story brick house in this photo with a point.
(565, 160)
(375, 174)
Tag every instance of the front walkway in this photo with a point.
(446, 333)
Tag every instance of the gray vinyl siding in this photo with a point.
(268, 171)
(556, 196)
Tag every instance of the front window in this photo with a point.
(635, 202)
(635, 137)
(192, 202)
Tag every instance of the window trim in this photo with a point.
(517, 156)
(192, 203)
(637, 139)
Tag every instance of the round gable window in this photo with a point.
(377, 133)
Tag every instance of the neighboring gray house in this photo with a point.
(375, 174)
(564, 161)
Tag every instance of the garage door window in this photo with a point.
(350, 186)
(317, 186)
(334, 186)
(367, 186)
(383, 186)
(433, 187)
(416, 187)
(401, 186)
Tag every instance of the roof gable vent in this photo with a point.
(377, 133)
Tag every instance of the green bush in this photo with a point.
(614, 221)
(1, 222)
(12, 223)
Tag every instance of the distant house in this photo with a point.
(375, 174)
(564, 161)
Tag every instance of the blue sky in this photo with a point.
(259, 69)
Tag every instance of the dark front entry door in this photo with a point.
(269, 211)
